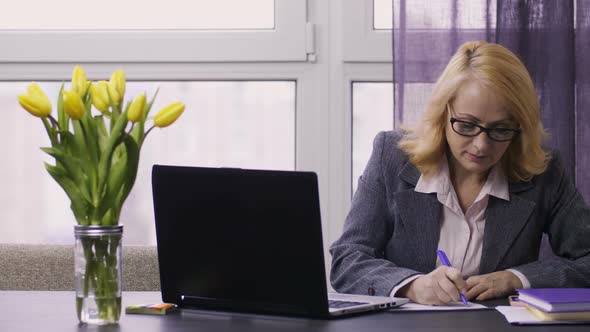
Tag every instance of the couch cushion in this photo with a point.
(51, 267)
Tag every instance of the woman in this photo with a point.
(472, 179)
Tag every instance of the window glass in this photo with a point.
(248, 124)
(372, 112)
(434, 14)
(150, 31)
(382, 14)
(154, 15)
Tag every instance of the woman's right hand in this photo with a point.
(438, 287)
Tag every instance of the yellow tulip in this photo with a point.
(114, 95)
(100, 96)
(168, 114)
(117, 83)
(35, 102)
(73, 105)
(79, 81)
(136, 109)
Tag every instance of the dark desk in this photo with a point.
(55, 311)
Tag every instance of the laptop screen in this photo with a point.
(239, 239)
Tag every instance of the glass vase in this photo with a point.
(97, 253)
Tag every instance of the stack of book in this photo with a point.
(151, 309)
(557, 304)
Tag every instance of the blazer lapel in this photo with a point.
(420, 216)
(504, 221)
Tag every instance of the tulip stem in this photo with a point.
(54, 122)
(50, 131)
(147, 132)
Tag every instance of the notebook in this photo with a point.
(557, 299)
(245, 240)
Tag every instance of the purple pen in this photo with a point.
(445, 261)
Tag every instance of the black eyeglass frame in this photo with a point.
(484, 129)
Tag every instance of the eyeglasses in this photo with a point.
(469, 129)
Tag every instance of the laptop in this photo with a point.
(246, 240)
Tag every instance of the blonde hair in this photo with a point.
(493, 66)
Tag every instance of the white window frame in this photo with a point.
(323, 125)
(364, 54)
(286, 42)
(363, 43)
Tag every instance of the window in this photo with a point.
(372, 112)
(368, 35)
(231, 123)
(431, 14)
(155, 15)
(374, 32)
(233, 63)
(372, 105)
(170, 31)
(300, 108)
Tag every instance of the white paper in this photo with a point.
(517, 314)
(411, 306)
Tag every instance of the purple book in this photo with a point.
(556, 299)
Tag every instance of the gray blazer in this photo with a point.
(392, 231)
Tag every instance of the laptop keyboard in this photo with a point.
(343, 304)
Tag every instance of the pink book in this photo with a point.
(557, 299)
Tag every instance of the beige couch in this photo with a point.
(51, 267)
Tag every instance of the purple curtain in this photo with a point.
(582, 97)
(551, 37)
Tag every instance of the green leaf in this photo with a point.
(149, 105)
(131, 169)
(79, 206)
(71, 164)
(88, 164)
(114, 184)
(101, 129)
(122, 177)
(109, 218)
(91, 133)
(138, 133)
(50, 131)
(57, 170)
(78, 143)
(118, 165)
(69, 144)
(72, 168)
(115, 139)
(62, 117)
(115, 115)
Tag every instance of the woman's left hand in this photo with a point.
(492, 285)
